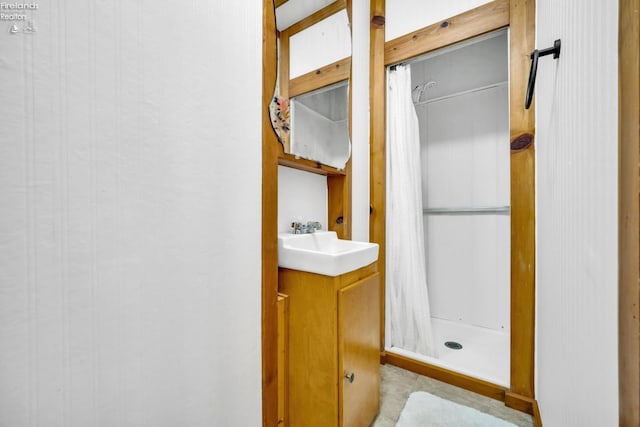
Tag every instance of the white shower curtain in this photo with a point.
(407, 300)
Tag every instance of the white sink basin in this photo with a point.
(323, 253)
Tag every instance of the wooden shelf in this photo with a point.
(309, 165)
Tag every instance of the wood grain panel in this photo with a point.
(289, 160)
(537, 417)
(519, 402)
(377, 129)
(283, 71)
(283, 359)
(358, 339)
(269, 289)
(629, 234)
(324, 76)
(483, 19)
(339, 203)
(522, 37)
(313, 364)
(313, 343)
(340, 190)
(314, 18)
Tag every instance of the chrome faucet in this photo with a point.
(298, 228)
(313, 226)
(309, 227)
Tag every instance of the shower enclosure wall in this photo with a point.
(462, 103)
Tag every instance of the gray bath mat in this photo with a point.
(426, 410)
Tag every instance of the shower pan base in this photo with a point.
(485, 353)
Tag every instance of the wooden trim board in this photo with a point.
(518, 402)
(629, 213)
(485, 388)
(339, 203)
(283, 69)
(323, 76)
(269, 288)
(289, 160)
(377, 130)
(537, 417)
(522, 122)
(483, 19)
(283, 360)
(316, 17)
(445, 375)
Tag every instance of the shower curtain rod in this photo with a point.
(464, 92)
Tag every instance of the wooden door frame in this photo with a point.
(519, 16)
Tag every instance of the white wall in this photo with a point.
(466, 164)
(406, 16)
(464, 138)
(302, 197)
(130, 215)
(295, 10)
(577, 217)
(321, 44)
(360, 120)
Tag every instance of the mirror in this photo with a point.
(310, 106)
(320, 129)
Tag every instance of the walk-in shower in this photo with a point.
(460, 98)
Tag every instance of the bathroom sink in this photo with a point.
(323, 253)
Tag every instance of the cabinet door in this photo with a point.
(359, 352)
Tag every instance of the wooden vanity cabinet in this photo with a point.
(334, 341)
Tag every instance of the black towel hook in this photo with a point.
(534, 68)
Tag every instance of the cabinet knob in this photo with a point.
(350, 376)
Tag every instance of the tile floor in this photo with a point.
(397, 384)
